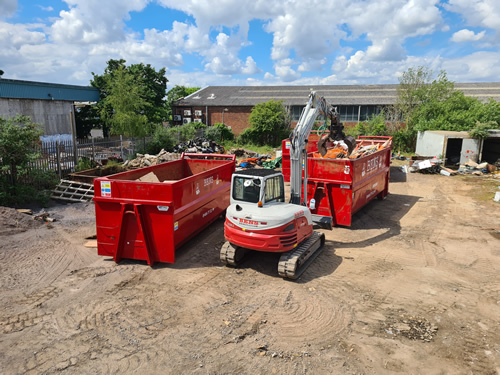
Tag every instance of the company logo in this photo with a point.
(248, 222)
(299, 213)
(209, 180)
(208, 212)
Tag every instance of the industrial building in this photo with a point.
(50, 104)
(232, 105)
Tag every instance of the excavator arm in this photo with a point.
(315, 107)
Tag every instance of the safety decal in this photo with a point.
(106, 188)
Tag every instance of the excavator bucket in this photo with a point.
(323, 144)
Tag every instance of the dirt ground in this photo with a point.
(412, 287)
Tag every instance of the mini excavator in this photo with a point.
(258, 217)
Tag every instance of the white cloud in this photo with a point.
(476, 66)
(94, 21)
(484, 13)
(306, 37)
(285, 72)
(466, 35)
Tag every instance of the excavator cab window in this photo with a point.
(246, 189)
(275, 189)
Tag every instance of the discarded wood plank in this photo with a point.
(26, 211)
(91, 244)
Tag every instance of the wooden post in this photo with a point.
(58, 160)
(73, 131)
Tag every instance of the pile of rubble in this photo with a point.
(147, 160)
(194, 146)
(199, 146)
(436, 166)
(476, 169)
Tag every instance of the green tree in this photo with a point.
(18, 136)
(417, 92)
(128, 105)
(86, 119)
(176, 93)
(152, 90)
(269, 123)
(416, 87)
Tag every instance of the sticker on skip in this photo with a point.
(106, 188)
(176, 225)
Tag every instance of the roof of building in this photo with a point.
(335, 95)
(10, 88)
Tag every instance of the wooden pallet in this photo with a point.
(73, 191)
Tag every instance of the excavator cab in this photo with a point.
(257, 185)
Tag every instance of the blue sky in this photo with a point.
(262, 42)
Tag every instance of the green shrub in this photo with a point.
(270, 123)
(199, 125)
(219, 133)
(188, 132)
(163, 138)
(84, 163)
(480, 131)
(32, 186)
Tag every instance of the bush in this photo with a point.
(32, 186)
(374, 126)
(85, 163)
(270, 123)
(219, 133)
(163, 138)
(187, 132)
(404, 140)
(248, 136)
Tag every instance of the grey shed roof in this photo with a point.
(10, 88)
(335, 95)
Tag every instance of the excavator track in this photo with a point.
(231, 254)
(294, 262)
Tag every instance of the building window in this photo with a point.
(348, 113)
(368, 111)
(296, 111)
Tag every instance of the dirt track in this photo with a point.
(411, 288)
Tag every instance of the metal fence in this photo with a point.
(62, 156)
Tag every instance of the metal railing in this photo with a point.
(62, 156)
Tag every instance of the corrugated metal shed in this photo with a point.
(336, 95)
(17, 89)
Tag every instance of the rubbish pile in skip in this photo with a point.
(340, 150)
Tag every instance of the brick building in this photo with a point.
(232, 105)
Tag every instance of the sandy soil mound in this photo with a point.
(12, 221)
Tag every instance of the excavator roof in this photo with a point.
(257, 172)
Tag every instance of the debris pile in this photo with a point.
(436, 166)
(147, 160)
(474, 168)
(340, 150)
(240, 152)
(199, 146)
(251, 159)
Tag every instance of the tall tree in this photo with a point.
(177, 93)
(152, 90)
(417, 87)
(129, 107)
